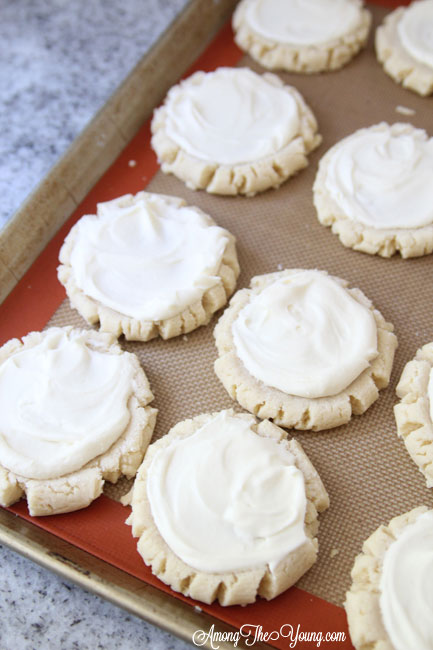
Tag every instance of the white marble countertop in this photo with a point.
(61, 61)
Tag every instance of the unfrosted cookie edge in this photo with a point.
(228, 588)
(412, 413)
(366, 628)
(78, 489)
(197, 314)
(243, 178)
(397, 62)
(308, 59)
(409, 242)
(288, 410)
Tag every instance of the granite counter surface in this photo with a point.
(61, 60)
(41, 611)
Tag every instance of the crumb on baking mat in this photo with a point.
(404, 110)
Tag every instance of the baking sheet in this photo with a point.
(369, 476)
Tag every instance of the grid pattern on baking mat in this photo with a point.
(368, 474)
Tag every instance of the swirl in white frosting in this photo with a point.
(415, 29)
(305, 335)
(230, 116)
(226, 499)
(406, 587)
(303, 22)
(148, 257)
(383, 176)
(62, 403)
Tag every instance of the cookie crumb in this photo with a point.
(197, 608)
(126, 499)
(132, 163)
(334, 552)
(185, 338)
(404, 110)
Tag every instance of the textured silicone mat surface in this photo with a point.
(369, 476)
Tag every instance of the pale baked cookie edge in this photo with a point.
(366, 628)
(292, 411)
(397, 62)
(196, 315)
(331, 55)
(230, 588)
(78, 489)
(409, 242)
(243, 178)
(412, 413)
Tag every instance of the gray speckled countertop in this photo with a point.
(62, 61)
(41, 611)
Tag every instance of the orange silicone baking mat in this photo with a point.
(365, 468)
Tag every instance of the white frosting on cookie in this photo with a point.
(415, 29)
(382, 176)
(62, 403)
(305, 335)
(303, 22)
(148, 257)
(226, 499)
(406, 586)
(230, 116)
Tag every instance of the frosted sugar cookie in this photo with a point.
(301, 35)
(73, 413)
(375, 189)
(301, 348)
(404, 45)
(389, 605)
(414, 413)
(233, 131)
(148, 265)
(226, 509)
